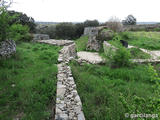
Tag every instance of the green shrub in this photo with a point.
(19, 32)
(121, 57)
(125, 35)
(81, 43)
(65, 31)
(79, 29)
(4, 24)
(91, 23)
(49, 30)
(137, 53)
(23, 19)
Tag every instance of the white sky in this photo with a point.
(80, 10)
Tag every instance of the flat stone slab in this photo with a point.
(91, 57)
(57, 42)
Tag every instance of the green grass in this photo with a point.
(81, 43)
(136, 53)
(147, 40)
(28, 82)
(107, 94)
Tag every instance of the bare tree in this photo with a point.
(114, 24)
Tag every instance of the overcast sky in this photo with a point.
(80, 10)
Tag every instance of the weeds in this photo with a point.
(28, 82)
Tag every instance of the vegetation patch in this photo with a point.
(28, 82)
(147, 40)
(136, 53)
(81, 43)
(107, 94)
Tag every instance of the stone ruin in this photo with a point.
(40, 37)
(7, 48)
(93, 43)
(96, 36)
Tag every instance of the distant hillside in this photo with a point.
(147, 23)
(49, 23)
(46, 23)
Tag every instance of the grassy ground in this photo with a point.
(136, 53)
(81, 43)
(147, 40)
(28, 82)
(107, 94)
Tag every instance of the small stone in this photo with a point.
(81, 116)
(13, 85)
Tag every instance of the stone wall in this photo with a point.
(109, 49)
(68, 102)
(40, 37)
(7, 48)
(87, 30)
(93, 43)
(57, 42)
(67, 53)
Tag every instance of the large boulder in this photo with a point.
(7, 48)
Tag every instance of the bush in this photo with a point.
(91, 23)
(65, 31)
(21, 18)
(122, 57)
(79, 29)
(19, 32)
(49, 30)
(125, 35)
(115, 24)
(4, 24)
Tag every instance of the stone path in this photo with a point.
(90, 57)
(68, 103)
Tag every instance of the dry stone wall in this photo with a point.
(68, 102)
(40, 37)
